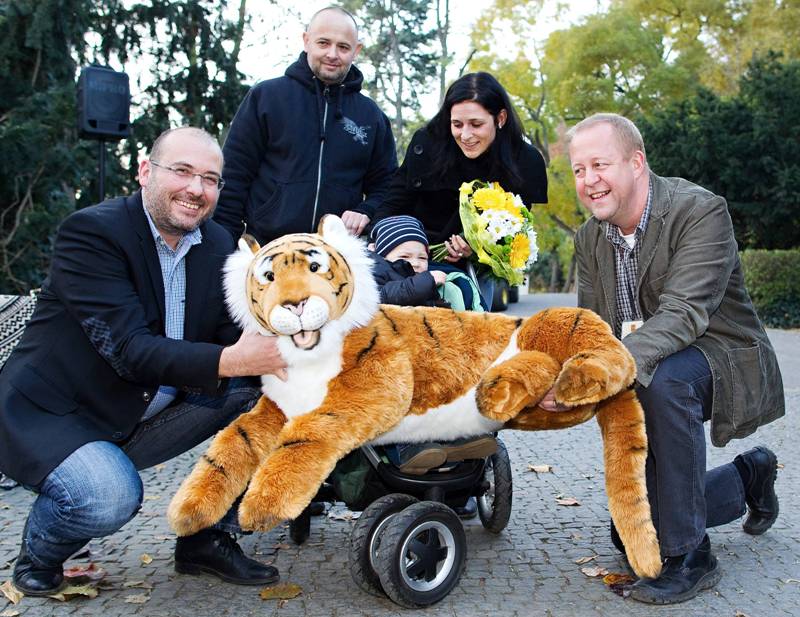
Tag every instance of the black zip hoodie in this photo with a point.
(297, 149)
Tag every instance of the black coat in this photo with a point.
(298, 149)
(399, 284)
(417, 189)
(94, 352)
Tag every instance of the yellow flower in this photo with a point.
(520, 251)
(465, 190)
(489, 199)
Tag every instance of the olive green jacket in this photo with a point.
(690, 289)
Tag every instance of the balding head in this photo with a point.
(188, 131)
(331, 44)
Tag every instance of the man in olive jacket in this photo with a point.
(658, 261)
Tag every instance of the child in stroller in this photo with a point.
(408, 542)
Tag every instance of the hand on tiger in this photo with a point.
(252, 354)
(354, 222)
(548, 403)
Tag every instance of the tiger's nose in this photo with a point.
(297, 309)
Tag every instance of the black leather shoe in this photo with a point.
(215, 552)
(759, 492)
(33, 580)
(469, 510)
(681, 577)
(616, 540)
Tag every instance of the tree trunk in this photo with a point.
(569, 283)
(443, 31)
(555, 271)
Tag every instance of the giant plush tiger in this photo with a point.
(361, 372)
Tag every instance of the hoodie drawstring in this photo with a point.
(320, 106)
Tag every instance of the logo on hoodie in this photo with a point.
(359, 133)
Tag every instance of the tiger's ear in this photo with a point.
(248, 243)
(329, 225)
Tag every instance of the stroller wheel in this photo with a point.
(421, 554)
(494, 506)
(366, 536)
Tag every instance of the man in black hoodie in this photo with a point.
(308, 143)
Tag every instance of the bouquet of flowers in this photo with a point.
(499, 229)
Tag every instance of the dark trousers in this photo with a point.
(97, 488)
(685, 498)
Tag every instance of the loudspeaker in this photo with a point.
(104, 100)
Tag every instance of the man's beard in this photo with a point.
(158, 203)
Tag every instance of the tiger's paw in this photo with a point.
(583, 381)
(501, 399)
(192, 509)
(256, 513)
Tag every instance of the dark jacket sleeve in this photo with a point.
(416, 290)
(90, 275)
(399, 199)
(534, 171)
(245, 145)
(381, 170)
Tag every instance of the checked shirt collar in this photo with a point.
(626, 261)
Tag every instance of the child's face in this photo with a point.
(413, 252)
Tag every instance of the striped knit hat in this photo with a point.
(393, 231)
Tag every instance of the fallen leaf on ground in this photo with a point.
(151, 497)
(791, 580)
(594, 571)
(283, 591)
(137, 585)
(582, 560)
(159, 467)
(79, 575)
(137, 599)
(73, 591)
(740, 614)
(780, 466)
(341, 516)
(540, 468)
(282, 546)
(619, 583)
(9, 612)
(146, 559)
(11, 592)
(567, 501)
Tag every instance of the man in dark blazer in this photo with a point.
(123, 365)
(659, 262)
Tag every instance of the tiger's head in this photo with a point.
(302, 286)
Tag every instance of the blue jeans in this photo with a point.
(97, 488)
(685, 499)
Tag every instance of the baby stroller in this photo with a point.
(408, 543)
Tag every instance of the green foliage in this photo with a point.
(745, 148)
(399, 54)
(191, 51)
(773, 280)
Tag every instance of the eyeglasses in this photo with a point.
(208, 181)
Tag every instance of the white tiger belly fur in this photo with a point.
(458, 418)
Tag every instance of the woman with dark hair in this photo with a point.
(476, 135)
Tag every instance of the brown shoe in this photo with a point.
(418, 459)
(470, 447)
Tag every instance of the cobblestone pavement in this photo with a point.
(528, 570)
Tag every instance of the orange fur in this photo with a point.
(406, 362)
